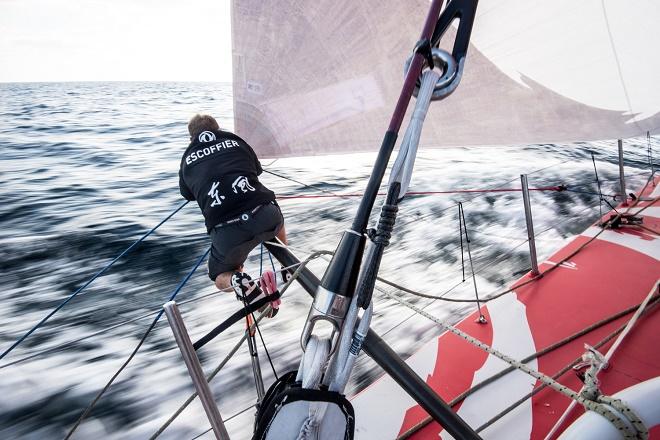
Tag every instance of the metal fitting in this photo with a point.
(330, 307)
(451, 73)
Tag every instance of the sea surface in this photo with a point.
(88, 168)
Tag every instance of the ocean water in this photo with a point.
(87, 168)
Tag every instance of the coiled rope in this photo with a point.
(96, 275)
(654, 301)
(598, 406)
(590, 388)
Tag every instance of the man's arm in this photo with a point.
(183, 188)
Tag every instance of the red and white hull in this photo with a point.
(614, 272)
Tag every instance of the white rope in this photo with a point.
(405, 160)
(313, 362)
(607, 356)
(310, 427)
(312, 366)
(603, 404)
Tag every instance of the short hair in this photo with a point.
(200, 123)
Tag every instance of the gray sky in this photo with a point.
(115, 40)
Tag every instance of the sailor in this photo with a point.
(219, 170)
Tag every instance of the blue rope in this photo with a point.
(183, 282)
(272, 263)
(98, 274)
(261, 261)
(135, 350)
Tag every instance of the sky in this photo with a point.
(115, 40)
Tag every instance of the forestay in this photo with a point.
(322, 77)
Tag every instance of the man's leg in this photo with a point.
(232, 253)
(281, 234)
(223, 281)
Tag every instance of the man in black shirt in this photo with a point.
(219, 170)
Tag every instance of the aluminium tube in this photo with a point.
(195, 369)
(622, 176)
(530, 225)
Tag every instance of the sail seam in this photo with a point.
(618, 67)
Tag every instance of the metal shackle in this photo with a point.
(449, 66)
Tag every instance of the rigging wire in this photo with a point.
(420, 193)
(69, 344)
(289, 282)
(530, 280)
(210, 376)
(458, 399)
(263, 342)
(98, 396)
(412, 218)
(98, 274)
(228, 419)
(128, 250)
(600, 193)
(593, 405)
(480, 192)
(306, 185)
(468, 200)
(594, 237)
(461, 218)
(492, 262)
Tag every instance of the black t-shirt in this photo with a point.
(219, 170)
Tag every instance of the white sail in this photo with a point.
(323, 77)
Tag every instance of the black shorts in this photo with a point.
(231, 244)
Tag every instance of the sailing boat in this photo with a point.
(335, 94)
(535, 72)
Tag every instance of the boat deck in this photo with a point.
(596, 275)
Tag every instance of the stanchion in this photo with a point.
(622, 176)
(195, 369)
(530, 225)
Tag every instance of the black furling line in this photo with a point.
(256, 325)
(317, 188)
(270, 361)
(600, 193)
(461, 214)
